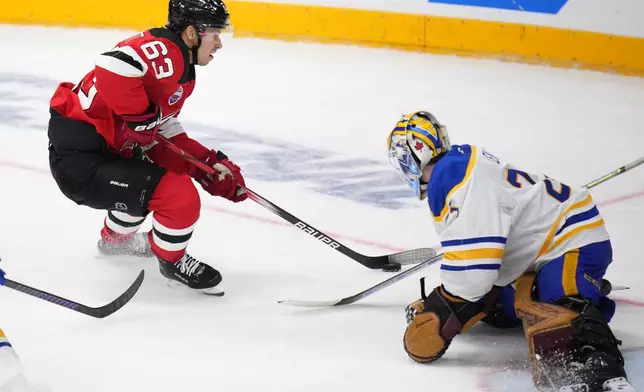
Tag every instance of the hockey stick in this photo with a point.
(615, 173)
(606, 289)
(390, 263)
(100, 312)
(404, 274)
(367, 292)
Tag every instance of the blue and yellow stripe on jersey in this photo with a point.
(450, 173)
(579, 217)
(478, 253)
(4, 342)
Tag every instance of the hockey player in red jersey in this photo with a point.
(102, 148)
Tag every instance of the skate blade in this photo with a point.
(212, 291)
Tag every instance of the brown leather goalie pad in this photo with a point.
(547, 327)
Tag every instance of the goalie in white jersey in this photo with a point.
(503, 229)
(11, 376)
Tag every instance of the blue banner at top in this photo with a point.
(541, 6)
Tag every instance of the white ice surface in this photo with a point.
(573, 125)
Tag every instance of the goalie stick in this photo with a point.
(606, 289)
(615, 173)
(388, 282)
(389, 263)
(100, 312)
(367, 292)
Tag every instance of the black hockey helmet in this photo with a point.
(199, 13)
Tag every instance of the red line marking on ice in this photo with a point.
(361, 241)
(24, 167)
(626, 301)
(235, 213)
(620, 199)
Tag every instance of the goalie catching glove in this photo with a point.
(228, 181)
(434, 320)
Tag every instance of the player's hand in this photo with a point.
(434, 320)
(227, 183)
(143, 128)
(2, 281)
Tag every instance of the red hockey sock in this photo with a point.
(175, 205)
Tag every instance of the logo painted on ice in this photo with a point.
(174, 98)
(317, 235)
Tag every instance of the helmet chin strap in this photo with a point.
(195, 53)
(195, 49)
(423, 190)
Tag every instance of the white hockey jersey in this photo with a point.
(11, 376)
(496, 222)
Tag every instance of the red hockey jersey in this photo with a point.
(153, 66)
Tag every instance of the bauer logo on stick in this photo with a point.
(309, 230)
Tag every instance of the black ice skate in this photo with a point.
(600, 372)
(192, 273)
(136, 245)
(597, 364)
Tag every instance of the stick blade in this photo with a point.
(118, 303)
(413, 256)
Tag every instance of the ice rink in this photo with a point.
(308, 125)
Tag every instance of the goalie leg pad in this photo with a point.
(547, 327)
(569, 341)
